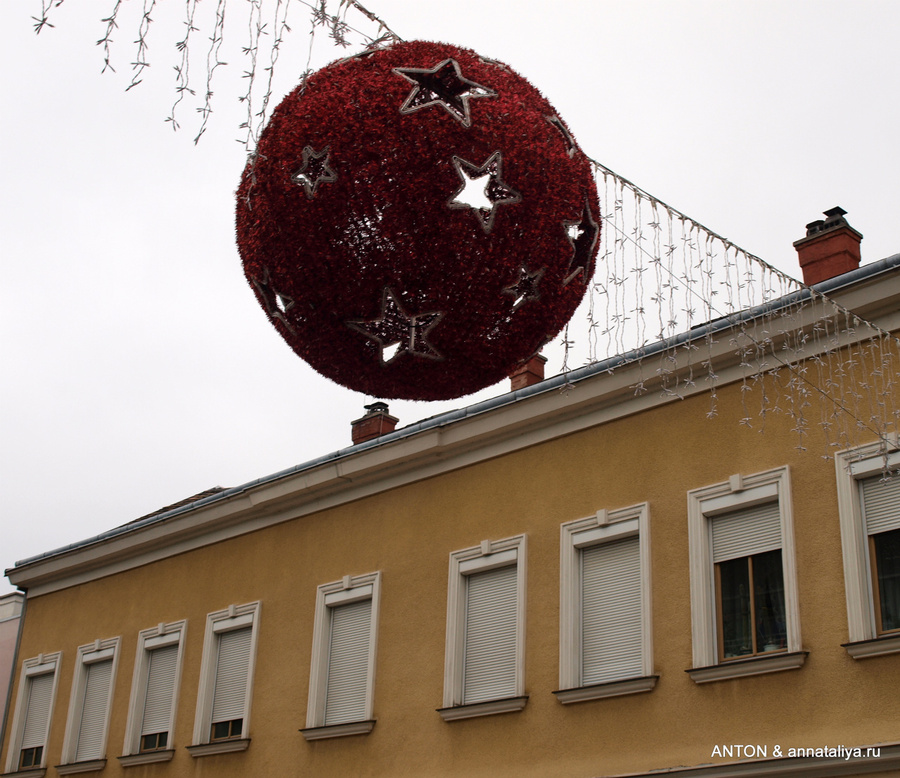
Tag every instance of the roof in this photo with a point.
(864, 276)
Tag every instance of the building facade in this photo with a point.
(10, 619)
(572, 579)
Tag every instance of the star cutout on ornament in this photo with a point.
(525, 287)
(398, 332)
(314, 170)
(483, 189)
(442, 85)
(582, 235)
(276, 304)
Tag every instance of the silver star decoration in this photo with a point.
(556, 122)
(525, 287)
(442, 85)
(314, 170)
(398, 332)
(483, 189)
(582, 235)
(276, 304)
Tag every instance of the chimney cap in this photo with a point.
(835, 218)
(377, 407)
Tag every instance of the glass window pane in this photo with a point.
(768, 596)
(887, 565)
(734, 582)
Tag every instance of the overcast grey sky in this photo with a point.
(137, 366)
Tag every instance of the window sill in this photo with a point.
(37, 772)
(741, 668)
(598, 691)
(90, 766)
(863, 649)
(339, 730)
(147, 757)
(489, 708)
(219, 747)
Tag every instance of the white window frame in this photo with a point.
(851, 467)
(704, 504)
(348, 590)
(88, 655)
(231, 618)
(604, 527)
(488, 555)
(160, 636)
(42, 664)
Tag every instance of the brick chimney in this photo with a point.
(830, 248)
(375, 423)
(528, 374)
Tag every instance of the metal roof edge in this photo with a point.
(560, 381)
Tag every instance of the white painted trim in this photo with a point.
(604, 527)
(160, 636)
(88, 766)
(850, 466)
(224, 620)
(742, 668)
(487, 555)
(490, 708)
(42, 664)
(338, 730)
(87, 655)
(347, 590)
(150, 757)
(219, 747)
(600, 691)
(738, 492)
(889, 644)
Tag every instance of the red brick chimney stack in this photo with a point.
(830, 248)
(532, 372)
(375, 423)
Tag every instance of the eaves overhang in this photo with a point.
(558, 406)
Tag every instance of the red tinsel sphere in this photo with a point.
(417, 221)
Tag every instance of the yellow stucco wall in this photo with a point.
(408, 533)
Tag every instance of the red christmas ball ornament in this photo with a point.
(417, 221)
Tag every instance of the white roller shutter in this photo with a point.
(93, 713)
(611, 612)
(232, 668)
(348, 663)
(881, 504)
(160, 690)
(489, 656)
(746, 532)
(37, 711)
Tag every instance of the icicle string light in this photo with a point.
(664, 278)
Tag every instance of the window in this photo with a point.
(222, 723)
(605, 637)
(89, 704)
(341, 681)
(743, 586)
(868, 481)
(151, 717)
(483, 669)
(34, 704)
